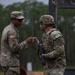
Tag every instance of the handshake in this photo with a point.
(32, 40)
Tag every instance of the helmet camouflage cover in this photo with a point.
(46, 19)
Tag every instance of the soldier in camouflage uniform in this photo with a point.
(53, 43)
(10, 46)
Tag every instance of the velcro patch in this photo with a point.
(57, 36)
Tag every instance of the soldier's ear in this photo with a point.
(13, 19)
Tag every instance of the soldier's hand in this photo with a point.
(29, 39)
(32, 40)
(35, 40)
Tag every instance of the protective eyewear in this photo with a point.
(20, 20)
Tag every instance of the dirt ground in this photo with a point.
(34, 73)
(23, 72)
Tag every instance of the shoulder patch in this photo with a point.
(57, 36)
(11, 36)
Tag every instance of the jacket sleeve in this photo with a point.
(13, 42)
(58, 49)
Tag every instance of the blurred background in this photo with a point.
(32, 10)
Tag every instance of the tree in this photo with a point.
(67, 27)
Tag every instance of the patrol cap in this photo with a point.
(46, 19)
(17, 15)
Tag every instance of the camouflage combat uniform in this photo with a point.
(53, 43)
(10, 49)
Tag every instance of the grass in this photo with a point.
(1, 73)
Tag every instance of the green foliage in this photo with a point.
(67, 27)
(1, 73)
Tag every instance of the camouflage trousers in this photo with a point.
(56, 71)
(11, 70)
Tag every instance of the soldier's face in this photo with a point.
(19, 22)
(42, 27)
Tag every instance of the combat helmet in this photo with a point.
(46, 19)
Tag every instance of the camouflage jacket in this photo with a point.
(10, 46)
(53, 43)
